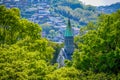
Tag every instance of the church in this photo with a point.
(67, 51)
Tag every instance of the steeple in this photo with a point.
(69, 23)
(68, 31)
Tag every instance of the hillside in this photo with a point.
(78, 12)
(110, 8)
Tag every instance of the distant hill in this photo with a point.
(110, 8)
(79, 13)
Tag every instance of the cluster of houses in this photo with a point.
(40, 11)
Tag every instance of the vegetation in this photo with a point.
(99, 49)
(110, 8)
(79, 13)
(24, 54)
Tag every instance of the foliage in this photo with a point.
(19, 62)
(13, 28)
(23, 53)
(81, 16)
(110, 8)
(70, 73)
(99, 48)
(75, 10)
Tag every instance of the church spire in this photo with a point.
(69, 24)
(68, 31)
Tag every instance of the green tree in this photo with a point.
(98, 48)
(23, 53)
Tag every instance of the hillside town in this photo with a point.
(41, 12)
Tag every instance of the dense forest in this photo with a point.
(25, 55)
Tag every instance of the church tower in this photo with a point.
(67, 51)
(69, 40)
